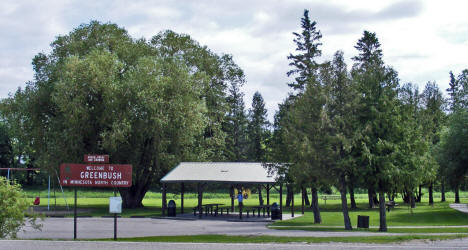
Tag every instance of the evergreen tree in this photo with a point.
(451, 158)
(378, 116)
(304, 125)
(433, 118)
(258, 131)
(307, 45)
(236, 125)
(6, 151)
(341, 133)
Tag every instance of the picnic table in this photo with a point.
(390, 204)
(209, 208)
(261, 207)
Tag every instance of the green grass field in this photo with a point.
(423, 215)
(401, 219)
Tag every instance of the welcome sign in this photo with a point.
(96, 175)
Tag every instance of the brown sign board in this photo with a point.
(96, 158)
(95, 175)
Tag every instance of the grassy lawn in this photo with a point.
(423, 215)
(280, 239)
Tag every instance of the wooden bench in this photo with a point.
(195, 211)
(221, 210)
(330, 197)
(250, 210)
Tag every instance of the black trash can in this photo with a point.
(275, 212)
(171, 208)
(363, 221)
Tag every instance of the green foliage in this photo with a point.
(6, 151)
(453, 149)
(258, 132)
(299, 123)
(13, 206)
(378, 112)
(236, 124)
(307, 44)
(414, 163)
(221, 72)
(150, 104)
(458, 90)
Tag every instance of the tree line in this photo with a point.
(153, 103)
(363, 128)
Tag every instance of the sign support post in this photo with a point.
(115, 221)
(74, 217)
(97, 172)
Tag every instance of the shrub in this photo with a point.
(13, 209)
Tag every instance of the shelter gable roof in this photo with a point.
(222, 172)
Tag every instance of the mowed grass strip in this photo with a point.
(280, 239)
(432, 230)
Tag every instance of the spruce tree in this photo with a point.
(258, 132)
(236, 124)
(303, 64)
(304, 125)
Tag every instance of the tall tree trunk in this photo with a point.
(431, 198)
(412, 199)
(288, 196)
(419, 194)
(383, 217)
(260, 197)
(442, 191)
(344, 204)
(370, 194)
(315, 206)
(132, 197)
(351, 196)
(306, 197)
(406, 197)
(457, 194)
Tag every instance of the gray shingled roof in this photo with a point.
(222, 172)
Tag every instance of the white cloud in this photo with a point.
(423, 40)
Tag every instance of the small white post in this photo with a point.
(8, 175)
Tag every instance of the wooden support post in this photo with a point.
(292, 201)
(232, 199)
(182, 190)
(164, 201)
(200, 212)
(303, 199)
(268, 194)
(240, 208)
(281, 201)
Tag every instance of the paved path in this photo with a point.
(80, 245)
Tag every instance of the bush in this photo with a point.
(13, 208)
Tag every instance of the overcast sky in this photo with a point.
(422, 40)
